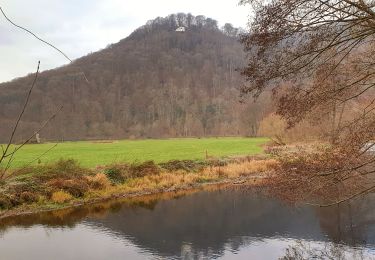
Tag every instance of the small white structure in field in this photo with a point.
(181, 29)
(37, 137)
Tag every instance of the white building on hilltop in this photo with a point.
(180, 29)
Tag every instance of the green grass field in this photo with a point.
(91, 154)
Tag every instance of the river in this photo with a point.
(209, 224)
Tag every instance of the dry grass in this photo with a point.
(176, 179)
(61, 197)
(246, 168)
(99, 181)
(89, 186)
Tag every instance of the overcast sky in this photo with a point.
(79, 27)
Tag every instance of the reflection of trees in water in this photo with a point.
(302, 250)
(206, 224)
(349, 223)
(68, 218)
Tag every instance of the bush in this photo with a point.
(14, 200)
(99, 181)
(18, 188)
(69, 166)
(185, 165)
(61, 197)
(61, 169)
(144, 169)
(218, 163)
(120, 173)
(5, 202)
(115, 175)
(28, 197)
(76, 187)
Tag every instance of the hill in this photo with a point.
(155, 83)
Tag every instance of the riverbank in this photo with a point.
(65, 184)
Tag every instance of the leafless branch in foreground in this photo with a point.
(7, 156)
(33, 34)
(317, 58)
(40, 39)
(7, 146)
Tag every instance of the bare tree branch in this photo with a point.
(4, 153)
(33, 34)
(40, 39)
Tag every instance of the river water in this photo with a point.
(215, 224)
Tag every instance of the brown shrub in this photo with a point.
(121, 172)
(99, 181)
(66, 169)
(76, 187)
(14, 200)
(144, 169)
(5, 202)
(19, 188)
(185, 165)
(28, 197)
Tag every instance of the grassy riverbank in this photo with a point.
(93, 153)
(65, 183)
(80, 172)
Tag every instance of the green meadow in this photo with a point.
(95, 153)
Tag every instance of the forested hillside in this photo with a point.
(155, 83)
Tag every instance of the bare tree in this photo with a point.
(318, 58)
(323, 49)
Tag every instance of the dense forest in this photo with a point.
(155, 83)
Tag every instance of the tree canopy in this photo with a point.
(318, 57)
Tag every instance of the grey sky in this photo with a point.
(79, 27)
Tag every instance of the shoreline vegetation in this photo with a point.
(66, 184)
(292, 173)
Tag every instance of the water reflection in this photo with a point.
(308, 250)
(351, 223)
(209, 224)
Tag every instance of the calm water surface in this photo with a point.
(221, 224)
